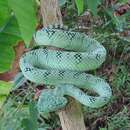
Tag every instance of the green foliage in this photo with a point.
(119, 121)
(123, 1)
(118, 22)
(103, 129)
(24, 11)
(80, 5)
(5, 88)
(92, 5)
(31, 122)
(121, 78)
(9, 35)
(33, 114)
(11, 118)
(11, 31)
(4, 12)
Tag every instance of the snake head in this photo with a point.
(49, 102)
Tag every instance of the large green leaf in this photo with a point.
(4, 12)
(25, 13)
(9, 35)
(80, 6)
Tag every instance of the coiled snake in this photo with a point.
(65, 69)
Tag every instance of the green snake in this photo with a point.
(64, 69)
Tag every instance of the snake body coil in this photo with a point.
(64, 69)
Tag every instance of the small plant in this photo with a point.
(121, 79)
(119, 121)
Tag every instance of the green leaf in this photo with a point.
(33, 115)
(119, 22)
(2, 100)
(123, 1)
(25, 13)
(92, 5)
(102, 128)
(31, 122)
(4, 12)
(5, 88)
(12, 117)
(9, 35)
(27, 124)
(80, 6)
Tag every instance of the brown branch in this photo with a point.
(71, 117)
(50, 12)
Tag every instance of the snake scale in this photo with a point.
(64, 69)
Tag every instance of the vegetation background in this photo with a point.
(108, 21)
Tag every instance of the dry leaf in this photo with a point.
(9, 75)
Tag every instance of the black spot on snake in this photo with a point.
(92, 99)
(98, 56)
(71, 35)
(50, 32)
(87, 77)
(61, 74)
(98, 80)
(28, 69)
(76, 75)
(81, 93)
(78, 57)
(45, 51)
(59, 54)
(46, 74)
